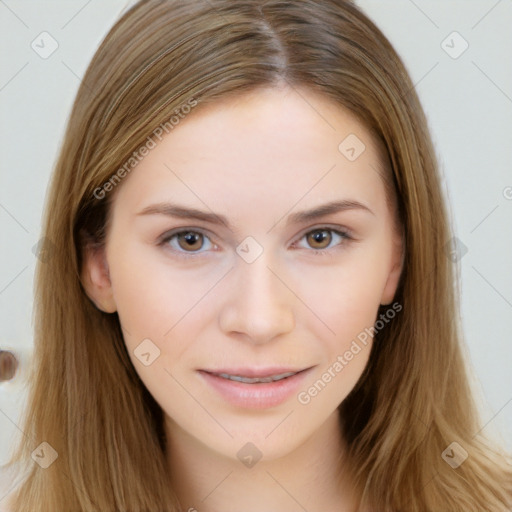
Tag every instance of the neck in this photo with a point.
(314, 476)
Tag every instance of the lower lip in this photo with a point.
(255, 396)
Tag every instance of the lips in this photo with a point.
(255, 388)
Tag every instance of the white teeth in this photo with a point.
(256, 380)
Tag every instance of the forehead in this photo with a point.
(267, 123)
(268, 146)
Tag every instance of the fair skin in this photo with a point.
(256, 160)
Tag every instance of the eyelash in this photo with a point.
(166, 238)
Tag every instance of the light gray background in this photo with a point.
(468, 101)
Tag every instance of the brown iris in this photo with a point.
(319, 239)
(190, 240)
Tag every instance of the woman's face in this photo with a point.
(254, 242)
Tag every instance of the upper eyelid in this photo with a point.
(173, 232)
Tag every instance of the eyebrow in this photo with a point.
(175, 210)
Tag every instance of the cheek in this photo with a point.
(347, 302)
(350, 312)
(348, 307)
(150, 299)
(159, 308)
(345, 297)
(160, 301)
(147, 288)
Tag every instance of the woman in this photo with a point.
(249, 304)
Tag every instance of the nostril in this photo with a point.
(8, 365)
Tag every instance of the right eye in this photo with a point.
(187, 242)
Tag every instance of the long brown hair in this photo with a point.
(86, 400)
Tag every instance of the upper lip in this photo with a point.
(256, 372)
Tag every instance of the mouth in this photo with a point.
(256, 380)
(253, 387)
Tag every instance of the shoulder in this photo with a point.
(10, 477)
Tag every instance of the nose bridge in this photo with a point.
(262, 286)
(261, 306)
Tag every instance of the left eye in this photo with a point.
(322, 238)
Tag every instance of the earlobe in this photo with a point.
(96, 279)
(388, 294)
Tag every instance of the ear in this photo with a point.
(96, 279)
(395, 271)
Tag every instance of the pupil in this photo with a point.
(191, 238)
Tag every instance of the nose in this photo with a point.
(260, 307)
